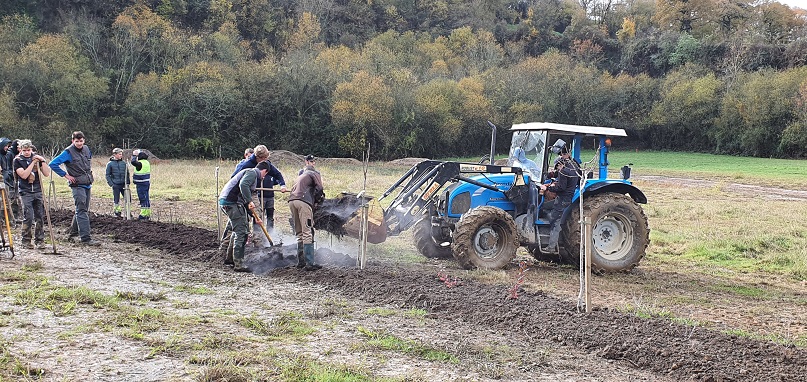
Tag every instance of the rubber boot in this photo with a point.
(26, 236)
(238, 259)
(226, 248)
(300, 255)
(308, 249)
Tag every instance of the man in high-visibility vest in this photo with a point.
(142, 181)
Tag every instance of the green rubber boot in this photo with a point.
(300, 255)
(238, 259)
(308, 249)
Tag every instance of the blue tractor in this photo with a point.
(481, 213)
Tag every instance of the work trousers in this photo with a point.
(561, 202)
(14, 199)
(81, 220)
(269, 212)
(33, 210)
(303, 217)
(237, 216)
(143, 194)
(117, 193)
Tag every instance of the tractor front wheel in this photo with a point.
(485, 238)
(620, 234)
(425, 242)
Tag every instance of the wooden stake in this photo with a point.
(587, 240)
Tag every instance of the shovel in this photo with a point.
(4, 196)
(263, 227)
(47, 209)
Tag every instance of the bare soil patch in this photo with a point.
(652, 345)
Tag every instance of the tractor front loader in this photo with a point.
(480, 214)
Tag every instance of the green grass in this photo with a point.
(286, 326)
(384, 341)
(776, 338)
(14, 367)
(383, 312)
(304, 369)
(787, 173)
(63, 301)
(193, 289)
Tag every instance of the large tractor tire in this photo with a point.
(485, 238)
(620, 233)
(425, 243)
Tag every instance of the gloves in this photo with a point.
(136, 152)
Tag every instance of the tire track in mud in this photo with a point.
(655, 345)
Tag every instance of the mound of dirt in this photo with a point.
(407, 162)
(286, 158)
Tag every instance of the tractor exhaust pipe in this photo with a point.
(492, 141)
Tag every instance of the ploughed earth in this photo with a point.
(659, 349)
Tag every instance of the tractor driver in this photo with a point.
(568, 178)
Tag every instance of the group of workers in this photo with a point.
(23, 169)
(255, 175)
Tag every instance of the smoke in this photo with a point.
(330, 250)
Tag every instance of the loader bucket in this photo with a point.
(376, 225)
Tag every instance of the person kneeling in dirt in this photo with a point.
(27, 165)
(305, 194)
(235, 200)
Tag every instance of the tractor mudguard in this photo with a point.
(615, 186)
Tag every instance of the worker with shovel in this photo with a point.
(306, 192)
(236, 200)
(27, 166)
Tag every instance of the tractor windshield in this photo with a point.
(527, 152)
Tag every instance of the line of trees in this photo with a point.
(412, 78)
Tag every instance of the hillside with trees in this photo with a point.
(411, 78)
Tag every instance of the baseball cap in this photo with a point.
(310, 158)
(117, 150)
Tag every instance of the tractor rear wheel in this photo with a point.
(425, 242)
(620, 234)
(485, 238)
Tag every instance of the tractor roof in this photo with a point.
(570, 129)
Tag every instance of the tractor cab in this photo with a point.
(536, 140)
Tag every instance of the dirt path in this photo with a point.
(744, 189)
(533, 337)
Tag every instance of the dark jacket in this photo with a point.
(250, 162)
(77, 163)
(116, 173)
(273, 177)
(239, 188)
(308, 187)
(32, 184)
(567, 180)
(7, 161)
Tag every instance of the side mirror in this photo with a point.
(624, 172)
